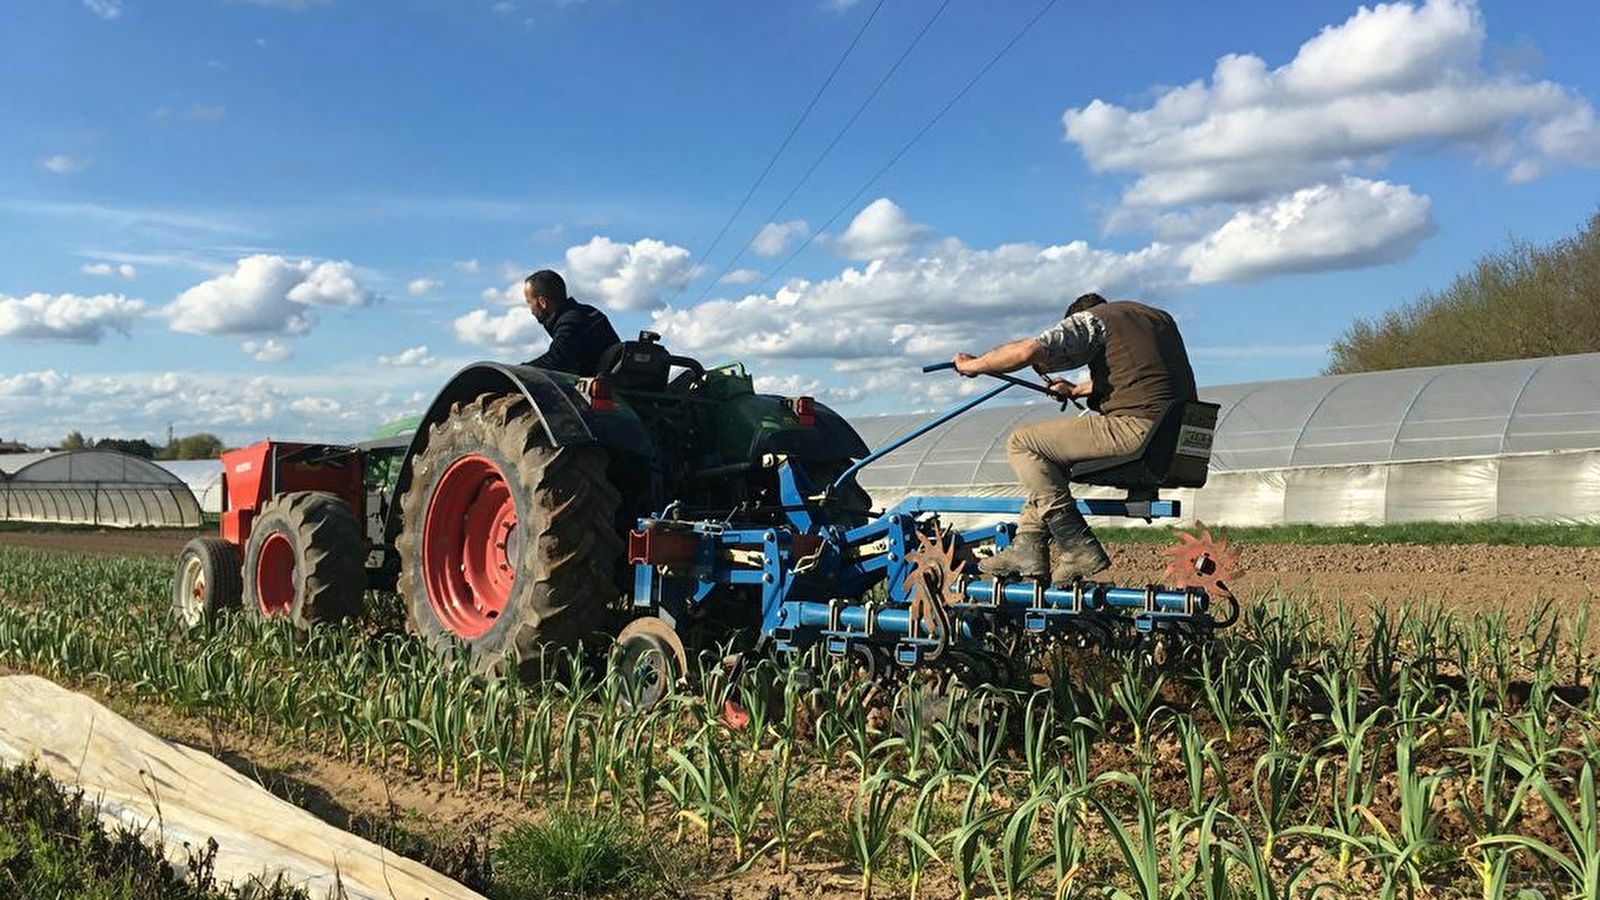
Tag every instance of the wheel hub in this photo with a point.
(470, 546)
(275, 576)
(192, 588)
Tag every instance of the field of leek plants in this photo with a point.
(1374, 752)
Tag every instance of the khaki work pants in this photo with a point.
(1042, 455)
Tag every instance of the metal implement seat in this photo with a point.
(1176, 453)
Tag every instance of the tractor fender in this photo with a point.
(563, 412)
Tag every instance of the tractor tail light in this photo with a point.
(805, 409)
(600, 395)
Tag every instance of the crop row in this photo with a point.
(1394, 750)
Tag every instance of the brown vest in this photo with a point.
(1143, 365)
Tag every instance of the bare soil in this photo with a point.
(1471, 577)
(105, 541)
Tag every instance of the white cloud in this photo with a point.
(627, 276)
(740, 276)
(1392, 77)
(1356, 223)
(419, 286)
(66, 318)
(469, 266)
(268, 351)
(511, 333)
(61, 164)
(334, 406)
(126, 270)
(923, 307)
(775, 237)
(504, 7)
(510, 295)
(315, 406)
(880, 231)
(105, 9)
(265, 294)
(412, 356)
(201, 113)
(801, 386)
(32, 384)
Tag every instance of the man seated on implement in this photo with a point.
(1137, 365)
(579, 333)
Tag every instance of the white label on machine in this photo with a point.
(1195, 441)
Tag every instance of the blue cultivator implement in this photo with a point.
(900, 589)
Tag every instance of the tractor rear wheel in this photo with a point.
(507, 543)
(305, 559)
(206, 582)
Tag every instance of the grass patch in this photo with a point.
(1501, 533)
(52, 845)
(571, 855)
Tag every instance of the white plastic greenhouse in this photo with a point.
(1515, 441)
(95, 487)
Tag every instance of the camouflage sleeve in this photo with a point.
(1072, 342)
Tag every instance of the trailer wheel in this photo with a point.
(305, 560)
(207, 581)
(507, 543)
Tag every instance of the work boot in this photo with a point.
(1074, 551)
(1027, 557)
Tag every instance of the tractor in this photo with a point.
(667, 505)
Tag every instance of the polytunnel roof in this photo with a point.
(94, 465)
(1437, 412)
(15, 462)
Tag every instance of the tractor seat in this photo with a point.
(640, 365)
(1176, 453)
(643, 365)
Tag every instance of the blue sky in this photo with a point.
(298, 217)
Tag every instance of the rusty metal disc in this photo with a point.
(1204, 562)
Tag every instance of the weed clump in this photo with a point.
(570, 855)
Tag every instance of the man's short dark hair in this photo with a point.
(548, 285)
(1087, 301)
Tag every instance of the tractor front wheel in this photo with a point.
(507, 543)
(305, 560)
(206, 582)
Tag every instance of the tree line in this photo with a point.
(203, 445)
(1521, 302)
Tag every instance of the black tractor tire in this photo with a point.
(208, 581)
(306, 558)
(507, 544)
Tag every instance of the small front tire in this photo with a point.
(207, 581)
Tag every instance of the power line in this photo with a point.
(909, 144)
(773, 216)
(787, 138)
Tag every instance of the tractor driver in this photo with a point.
(1137, 365)
(579, 333)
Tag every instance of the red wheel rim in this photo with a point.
(468, 546)
(275, 576)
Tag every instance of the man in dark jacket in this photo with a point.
(1137, 365)
(579, 333)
